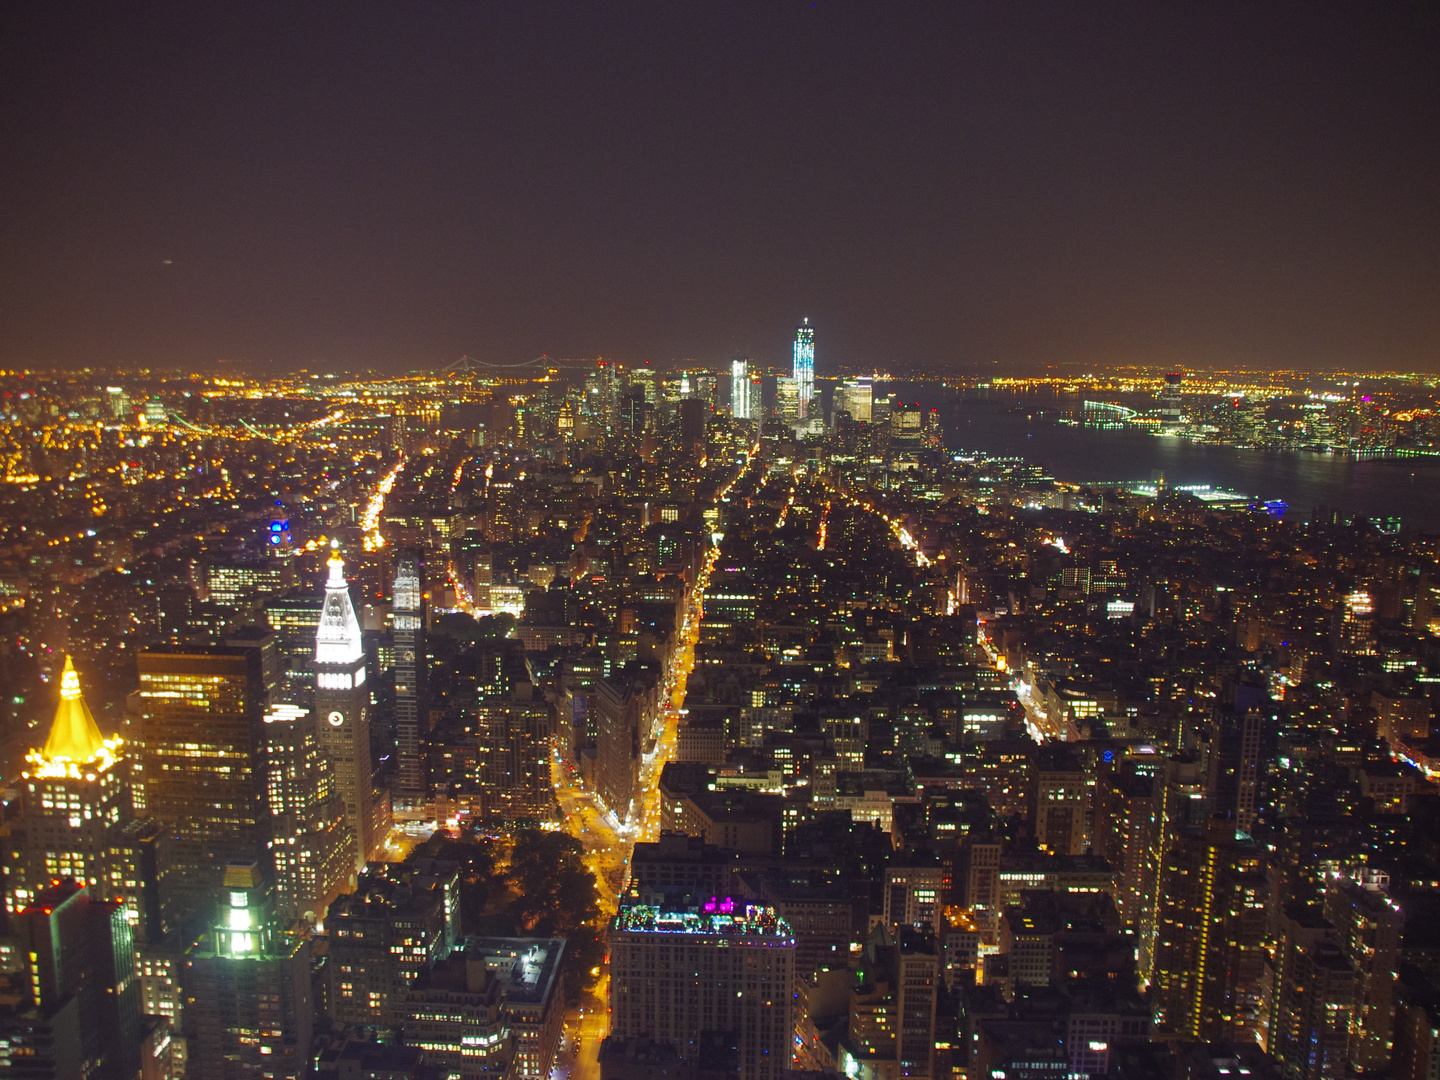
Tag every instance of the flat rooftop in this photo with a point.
(526, 967)
(721, 919)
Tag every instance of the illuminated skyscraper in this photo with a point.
(82, 1018)
(1313, 995)
(294, 620)
(408, 626)
(788, 409)
(342, 701)
(1168, 398)
(1368, 926)
(311, 841)
(804, 372)
(119, 404)
(1124, 833)
(645, 377)
(76, 802)
(248, 1011)
(198, 736)
(740, 389)
(1356, 630)
(907, 425)
(238, 585)
(514, 729)
(1211, 926)
(602, 396)
(855, 397)
(1237, 763)
(743, 965)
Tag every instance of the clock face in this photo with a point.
(336, 718)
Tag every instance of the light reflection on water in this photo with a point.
(1409, 489)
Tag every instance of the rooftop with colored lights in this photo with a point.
(715, 916)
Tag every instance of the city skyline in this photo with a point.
(725, 542)
(559, 724)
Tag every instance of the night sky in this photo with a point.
(350, 186)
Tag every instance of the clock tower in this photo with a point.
(342, 706)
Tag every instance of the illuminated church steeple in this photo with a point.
(342, 703)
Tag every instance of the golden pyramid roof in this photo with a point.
(241, 875)
(74, 735)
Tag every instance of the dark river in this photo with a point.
(991, 423)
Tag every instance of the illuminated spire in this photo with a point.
(804, 370)
(337, 641)
(74, 735)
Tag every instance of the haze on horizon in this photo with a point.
(952, 186)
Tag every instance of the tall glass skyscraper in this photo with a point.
(408, 604)
(200, 715)
(805, 365)
(740, 389)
